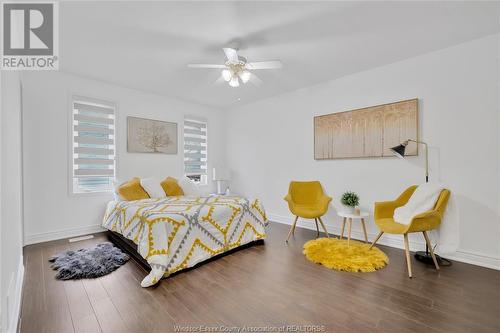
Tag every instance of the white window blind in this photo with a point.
(195, 149)
(93, 162)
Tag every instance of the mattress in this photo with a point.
(175, 233)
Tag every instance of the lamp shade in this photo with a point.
(245, 76)
(399, 150)
(226, 75)
(234, 82)
(221, 173)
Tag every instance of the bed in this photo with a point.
(176, 233)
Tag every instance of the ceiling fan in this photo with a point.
(237, 68)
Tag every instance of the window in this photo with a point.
(93, 162)
(195, 150)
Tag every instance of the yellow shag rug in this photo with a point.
(335, 254)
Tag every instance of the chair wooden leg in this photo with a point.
(324, 228)
(292, 228)
(343, 226)
(349, 225)
(407, 251)
(364, 229)
(376, 239)
(317, 228)
(429, 245)
(294, 225)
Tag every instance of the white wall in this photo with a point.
(270, 142)
(10, 201)
(50, 211)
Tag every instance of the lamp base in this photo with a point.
(219, 187)
(426, 258)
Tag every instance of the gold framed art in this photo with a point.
(151, 136)
(366, 132)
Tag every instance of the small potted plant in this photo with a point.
(350, 200)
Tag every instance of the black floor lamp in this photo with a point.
(399, 151)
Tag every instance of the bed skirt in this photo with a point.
(131, 248)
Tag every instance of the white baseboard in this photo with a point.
(475, 259)
(396, 241)
(61, 234)
(15, 310)
(389, 240)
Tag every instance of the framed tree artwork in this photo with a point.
(151, 136)
(368, 132)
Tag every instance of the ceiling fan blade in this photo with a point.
(271, 64)
(215, 66)
(255, 80)
(231, 54)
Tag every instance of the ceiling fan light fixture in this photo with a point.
(245, 76)
(226, 75)
(237, 68)
(234, 82)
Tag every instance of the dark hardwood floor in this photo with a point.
(266, 285)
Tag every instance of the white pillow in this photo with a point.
(153, 188)
(422, 200)
(189, 187)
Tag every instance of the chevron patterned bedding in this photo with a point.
(175, 233)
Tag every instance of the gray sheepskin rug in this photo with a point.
(94, 262)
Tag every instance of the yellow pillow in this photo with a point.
(171, 187)
(132, 190)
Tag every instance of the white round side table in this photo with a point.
(348, 217)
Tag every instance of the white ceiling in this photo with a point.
(147, 45)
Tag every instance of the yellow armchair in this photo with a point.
(307, 200)
(384, 212)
